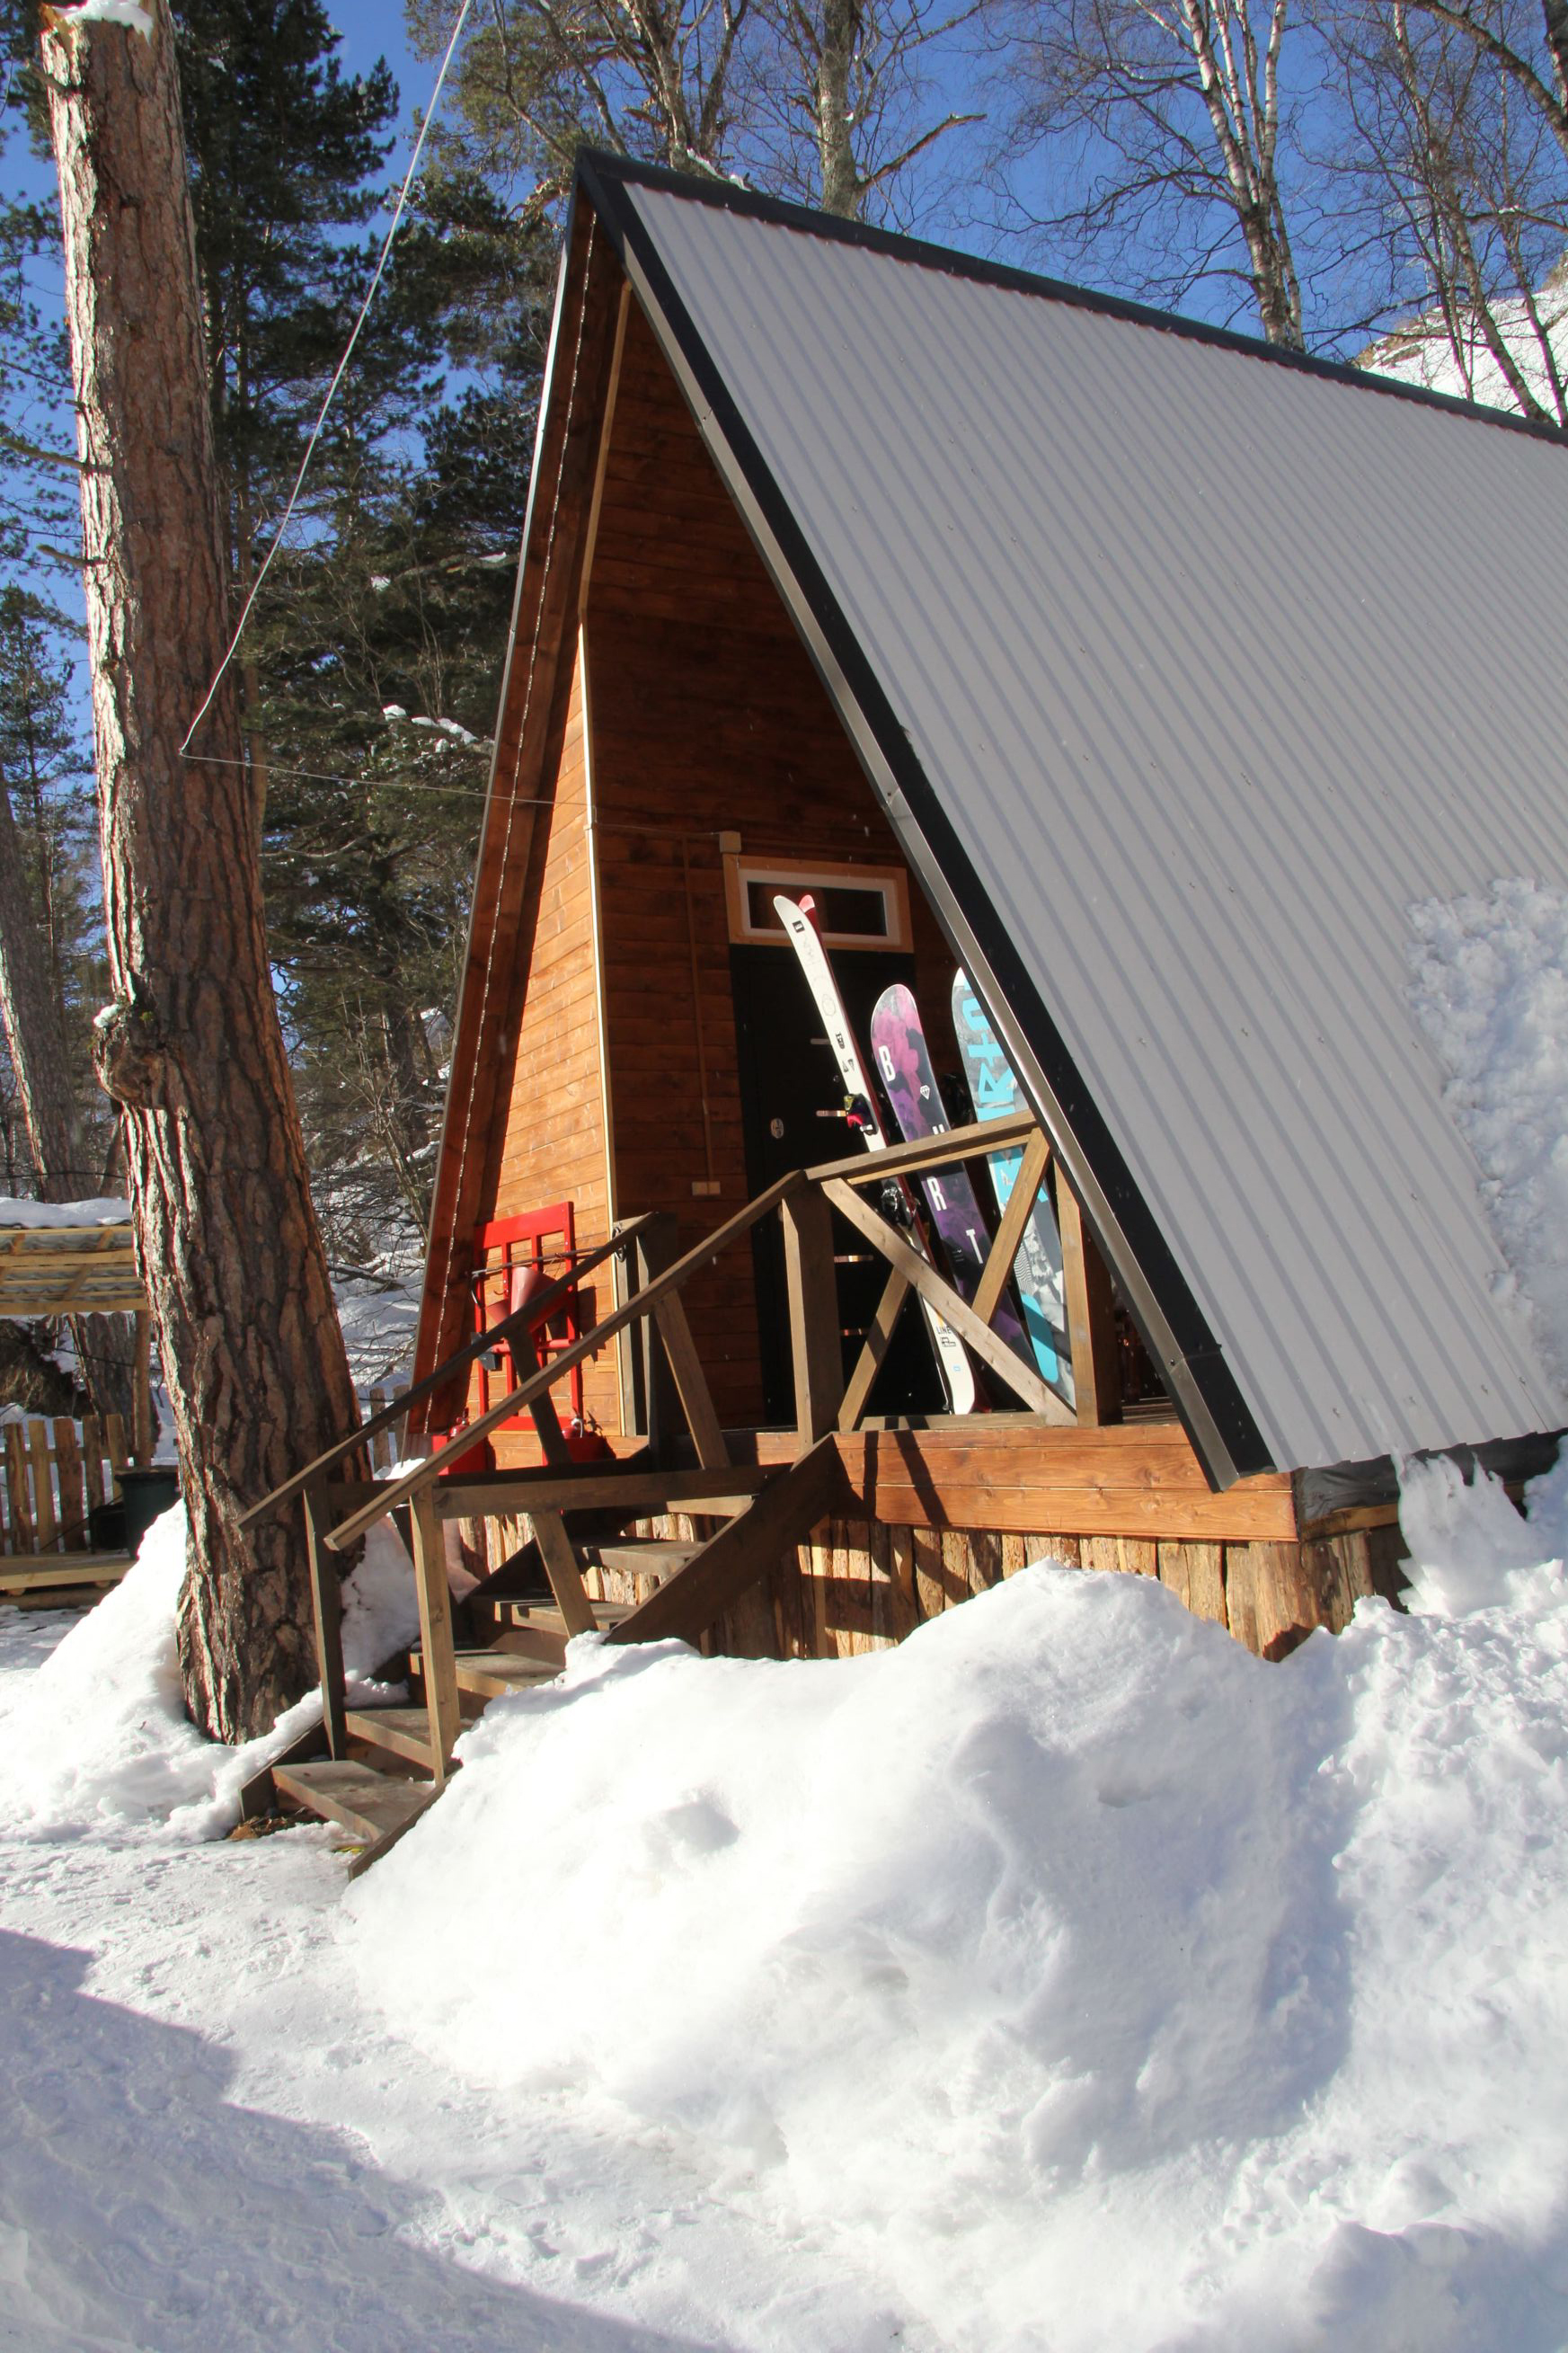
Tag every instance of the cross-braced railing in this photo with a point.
(768, 1512)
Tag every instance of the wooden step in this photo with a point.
(640, 1556)
(369, 1806)
(490, 1674)
(401, 1731)
(536, 1630)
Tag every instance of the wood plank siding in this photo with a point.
(708, 719)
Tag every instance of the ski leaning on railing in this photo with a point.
(953, 1360)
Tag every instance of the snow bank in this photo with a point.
(99, 1739)
(1107, 1986)
(105, 1211)
(1491, 992)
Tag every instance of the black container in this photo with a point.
(148, 1495)
(106, 1526)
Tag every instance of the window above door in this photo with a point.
(857, 906)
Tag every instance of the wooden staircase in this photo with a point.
(373, 1771)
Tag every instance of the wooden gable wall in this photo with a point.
(708, 720)
(687, 709)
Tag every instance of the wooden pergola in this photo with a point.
(81, 1270)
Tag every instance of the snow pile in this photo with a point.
(98, 1738)
(1491, 993)
(1109, 1987)
(106, 1210)
(1464, 365)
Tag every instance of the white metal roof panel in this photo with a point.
(1214, 666)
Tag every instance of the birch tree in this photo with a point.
(191, 1049)
(538, 79)
(1525, 40)
(1173, 116)
(843, 105)
(1453, 177)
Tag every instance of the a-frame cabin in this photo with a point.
(1087, 647)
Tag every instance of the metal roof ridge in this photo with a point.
(599, 164)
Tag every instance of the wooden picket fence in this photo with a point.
(54, 1472)
(386, 1445)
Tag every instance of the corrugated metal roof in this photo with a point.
(1210, 666)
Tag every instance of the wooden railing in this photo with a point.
(339, 1509)
(54, 1472)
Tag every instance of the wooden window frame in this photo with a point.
(741, 872)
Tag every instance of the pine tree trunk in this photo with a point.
(34, 1036)
(32, 1022)
(235, 1269)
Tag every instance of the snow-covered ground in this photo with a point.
(1066, 1979)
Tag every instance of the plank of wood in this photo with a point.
(879, 1338)
(436, 1644)
(506, 1494)
(1091, 1330)
(46, 1525)
(326, 1599)
(1137, 1477)
(561, 1566)
(955, 1144)
(642, 1555)
(399, 1490)
(732, 1561)
(114, 1440)
(537, 1311)
(1021, 1378)
(18, 1572)
(1271, 1601)
(258, 1795)
(1013, 1226)
(816, 1347)
(71, 1486)
(403, 1732)
(691, 1383)
(1195, 1574)
(372, 1806)
(18, 1496)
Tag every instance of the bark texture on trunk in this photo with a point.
(34, 1037)
(236, 1273)
(32, 1021)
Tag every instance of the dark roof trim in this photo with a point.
(1218, 1421)
(596, 169)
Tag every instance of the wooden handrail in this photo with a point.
(535, 1311)
(641, 1303)
(929, 1151)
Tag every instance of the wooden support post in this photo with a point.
(748, 1549)
(817, 1346)
(868, 1363)
(1091, 1327)
(141, 1404)
(326, 1595)
(561, 1569)
(655, 1250)
(1014, 1222)
(691, 1383)
(437, 1653)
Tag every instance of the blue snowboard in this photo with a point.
(1038, 1271)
